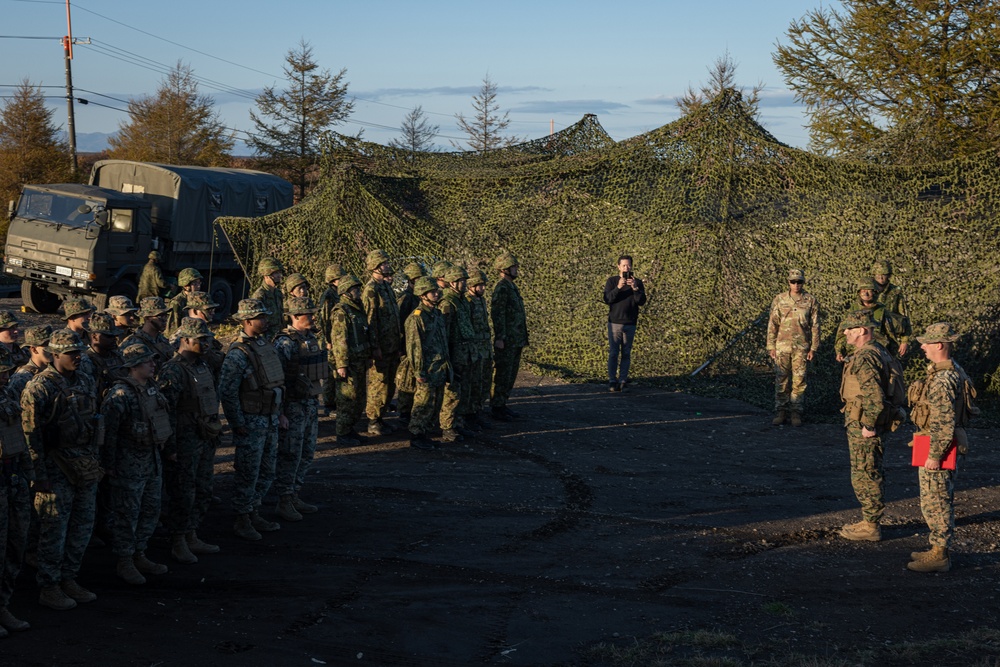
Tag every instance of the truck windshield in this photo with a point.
(57, 208)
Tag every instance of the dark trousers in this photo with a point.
(620, 339)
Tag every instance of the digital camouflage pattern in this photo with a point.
(297, 444)
(273, 301)
(863, 390)
(15, 499)
(158, 344)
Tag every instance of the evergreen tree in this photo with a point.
(417, 132)
(485, 128)
(721, 76)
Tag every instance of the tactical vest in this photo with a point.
(12, 442)
(965, 408)
(154, 429)
(200, 400)
(18, 355)
(260, 389)
(109, 369)
(74, 409)
(307, 367)
(358, 347)
(850, 389)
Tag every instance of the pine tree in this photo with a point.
(485, 128)
(721, 76)
(417, 132)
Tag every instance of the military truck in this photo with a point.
(93, 240)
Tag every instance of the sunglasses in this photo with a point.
(796, 282)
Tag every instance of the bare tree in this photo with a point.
(418, 133)
(485, 128)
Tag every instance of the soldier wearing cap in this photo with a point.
(351, 344)
(124, 312)
(510, 334)
(138, 427)
(252, 390)
(151, 282)
(201, 307)
(35, 341)
(461, 353)
(189, 280)
(189, 386)
(405, 382)
(269, 293)
(427, 350)
(942, 407)
(76, 313)
(379, 302)
(889, 295)
(15, 502)
(792, 341)
(10, 327)
(297, 285)
(892, 331)
(481, 373)
(864, 389)
(64, 437)
(153, 313)
(102, 360)
(328, 300)
(304, 362)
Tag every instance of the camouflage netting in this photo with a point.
(714, 210)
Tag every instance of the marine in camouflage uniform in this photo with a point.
(351, 344)
(892, 331)
(35, 340)
(269, 293)
(76, 314)
(188, 383)
(137, 426)
(102, 360)
(189, 280)
(201, 307)
(792, 341)
(153, 313)
(151, 282)
(942, 408)
(462, 351)
(863, 389)
(252, 389)
(15, 499)
(63, 431)
(481, 372)
(328, 300)
(510, 334)
(125, 314)
(379, 302)
(427, 350)
(9, 330)
(406, 384)
(305, 366)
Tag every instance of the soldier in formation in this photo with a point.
(351, 344)
(189, 281)
(405, 382)
(124, 312)
(297, 285)
(382, 311)
(892, 330)
(328, 300)
(269, 293)
(510, 335)
(427, 350)
(153, 314)
(792, 342)
(481, 371)
(10, 327)
(15, 500)
(461, 343)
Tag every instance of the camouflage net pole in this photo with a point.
(713, 209)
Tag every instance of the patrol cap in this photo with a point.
(505, 261)
(333, 272)
(119, 305)
(74, 307)
(476, 278)
(8, 320)
(137, 353)
(413, 270)
(37, 336)
(151, 306)
(269, 265)
(865, 283)
(796, 274)
(297, 305)
(249, 309)
(155, 256)
(424, 285)
(375, 259)
(882, 268)
(346, 283)
(440, 268)
(858, 319)
(200, 301)
(941, 332)
(192, 327)
(6, 361)
(103, 323)
(294, 280)
(64, 341)
(455, 274)
(188, 276)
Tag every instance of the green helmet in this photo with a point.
(477, 278)
(269, 265)
(375, 259)
(346, 283)
(424, 285)
(440, 269)
(294, 280)
(188, 276)
(505, 261)
(414, 270)
(155, 256)
(866, 283)
(333, 272)
(882, 268)
(455, 273)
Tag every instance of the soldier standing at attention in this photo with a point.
(189, 280)
(188, 384)
(792, 341)
(941, 409)
(252, 389)
(405, 383)
(200, 307)
(351, 343)
(124, 312)
(379, 302)
(889, 295)
(305, 366)
(427, 350)
(151, 282)
(9, 329)
(103, 361)
(153, 313)
(76, 313)
(482, 366)
(35, 340)
(510, 335)
(864, 389)
(892, 331)
(137, 427)
(63, 431)
(328, 300)
(461, 348)
(269, 294)
(297, 285)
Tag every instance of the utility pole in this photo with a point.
(71, 122)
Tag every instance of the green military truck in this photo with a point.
(92, 240)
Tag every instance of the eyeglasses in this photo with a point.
(796, 282)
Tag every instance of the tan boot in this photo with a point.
(244, 529)
(146, 566)
(796, 419)
(53, 597)
(862, 531)
(921, 555)
(779, 418)
(302, 506)
(76, 591)
(937, 561)
(12, 622)
(196, 545)
(179, 550)
(128, 573)
(262, 524)
(286, 509)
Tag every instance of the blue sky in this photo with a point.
(625, 61)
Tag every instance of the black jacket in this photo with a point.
(624, 302)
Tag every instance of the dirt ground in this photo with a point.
(595, 520)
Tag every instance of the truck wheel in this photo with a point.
(222, 294)
(37, 299)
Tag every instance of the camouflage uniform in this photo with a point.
(482, 366)
(890, 296)
(457, 399)
(105, 367)
(35, 337)
(427, 350)
(151, 282)
(17, 356)
(510, 326)
(792, 332)
(179, 304)
(406, 384)
(118, 307)
(157, 343)
(15, 498)
(271, 296)
(351, 345)
(379, 302)
(328, 300)
(60, 423)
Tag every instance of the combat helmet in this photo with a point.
(333, 272)
(505, 261)
(440, 268)
(269, 265)
(424, 285)
(188, 276)
(346, 283)
(882, 268)
(476, 278)
(455, 273)
(413, 270)
(294, 280)
(375, 259)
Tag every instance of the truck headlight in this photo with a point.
(15, 261)
(82, 275)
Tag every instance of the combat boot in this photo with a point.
(921, 555)
(262, 524)
(302, 506)
(197, 546)
(451, 435)
(76, 591)
(244, 528)
(180, 551)
(128, 572)
(937, 561)
(779, 418)
(796, 418)
(53, 597)
(347, 441)
(375, 428)
(286, 509)
(421, 442)
(146, 566)
(12, 622)
(862, 531)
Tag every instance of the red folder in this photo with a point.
(922, 447)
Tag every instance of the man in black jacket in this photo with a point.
(624, 293)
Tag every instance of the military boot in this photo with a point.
(375, 427)
(146, 566)
(921, 555)
(286, 509)
(180, 551)
(452, 435)
(53, 597)
(302, 506)
(196, 545)
(779, 418)
(347, 441)
(796, 418)
(128, 572)
(421, 442)
(262, 524)
(12, 622)
(938, 560)
(244, 528)
(862, 531)
(76, 591)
